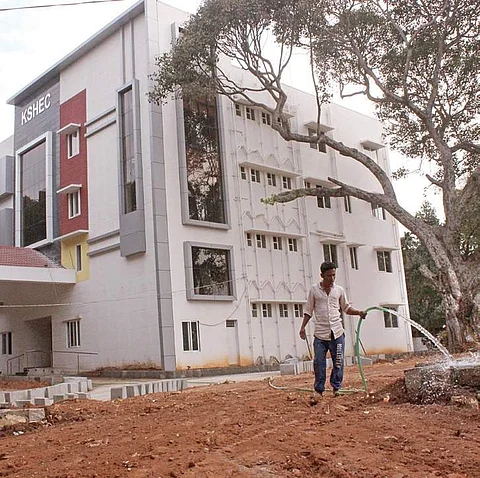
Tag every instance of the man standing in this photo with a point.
(327, 299)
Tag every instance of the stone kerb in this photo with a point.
(145, 388)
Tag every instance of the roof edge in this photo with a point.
(74, 55)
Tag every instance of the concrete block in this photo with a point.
(35, 414)
(58, 389)
(71, 396)
(59, 397)
(82, 386)
(364, 361)
(287, 369)
(154, 387)
(39, 401)
(83, 395)
(89, 384)
(23, 403)
(140, 388)
(147, 387)
(131, 390)
(72, 387)
(36, 393)
(117, 393)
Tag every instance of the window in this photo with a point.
(212, 272)
(191, 336)
(307, 184)
(353, 257)
(322, 147)
(277, 243)
(298, 310)
(330, 253)
(33, 187)
(73, 333)
(384, 261)
(254, 310)
(283, 309)
(238, 109)
(378, 212)
(266, 310)
(347, 204)
(243, 173)
(129, 182)
(323, 202)
(389, 319)
(271, 179)
(266, 118)
(250, 113)
(292, 244)
(206, 195)
(249, 240)
(7, 348)
(286, 182)
(73, 143)
(261, 241)
(255, 175)
(73, 200)
(78, 256)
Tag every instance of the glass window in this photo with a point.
(266, 310)
(73, 333)
(271, 179)
(292, 244)
(286, 182)
(384, 261)
(353, 257)
(283, 309)
(390, 320)
(78, 255)
(277, 243)
(298, 310)
(7, 348)
(73, 200)
(261, 241)
(266, 118)
(249, 240)
(250, 113)
(211, 271)
(323, 202)
(129, 185)
(254, 310)
(347, 204)
(243, 172)
(378, 212)
(191, 336)
(73, 143)
(206, 201)
(322, 147)
(238, 109)
(330, 253)
(255, 175)
(33, 186)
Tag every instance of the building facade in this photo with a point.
(157, 249)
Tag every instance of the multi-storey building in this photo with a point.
(133, 233)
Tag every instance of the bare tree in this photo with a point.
(416, 60)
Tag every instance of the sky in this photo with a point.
(30, 44)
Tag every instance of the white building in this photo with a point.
(167, 255)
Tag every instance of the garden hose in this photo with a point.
(342, 391)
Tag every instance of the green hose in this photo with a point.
(359, 362)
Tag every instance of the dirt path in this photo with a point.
(248, 429)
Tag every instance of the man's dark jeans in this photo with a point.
(336, 348)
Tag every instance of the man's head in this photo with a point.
(328, 272)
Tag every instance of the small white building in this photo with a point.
(132, 236)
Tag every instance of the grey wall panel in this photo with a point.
(6, 176)
(6, 227)
(32, 119)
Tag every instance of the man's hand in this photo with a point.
(363, 314)
(303, 335)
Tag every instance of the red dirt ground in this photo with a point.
(249, 429)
